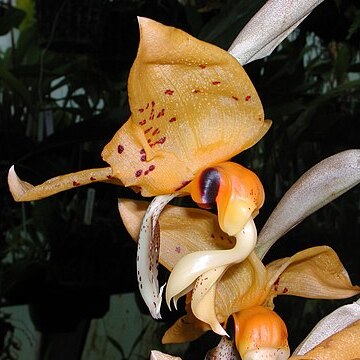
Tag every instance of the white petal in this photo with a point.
(320, 185)
(269, 27)
(329, 325)
(148, 255)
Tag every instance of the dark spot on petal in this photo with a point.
(138, 173)
(120, 149)
(247, 98)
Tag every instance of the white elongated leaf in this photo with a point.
(321, 184)
(269, 27)
(329, 325)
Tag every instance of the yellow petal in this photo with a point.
(242, 286)
(186, 230)
(183, 230)
(343, 345)
(23, 191)
(192, 105)
(312, 273)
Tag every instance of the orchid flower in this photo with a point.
(247, 289)
(192, 108)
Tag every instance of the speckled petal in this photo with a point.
(192, 105)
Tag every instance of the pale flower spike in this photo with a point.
(269, 27)
(148, 255)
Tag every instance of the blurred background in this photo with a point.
(67, 266)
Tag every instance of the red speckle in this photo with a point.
(149, 141)
(153, 103)
(172, 119)
(276, 283)
(156, 131)
(93, 179)
(75, 183)
(109, 177)
(247, 98)
(151, 167)
(195, 91)
(120, 149)
(161, 113)
(146, 172)
(151, 117)
(212, 236)
(142, 122)
(142, 151)
(141, 110)
(216, 82)
(160, 141)
(285, 290)
(147, 130)
(202, 66)
(143, 158)
(178, 249)
(169, 92)
(138, 173)
(235, 98)
(147, 106)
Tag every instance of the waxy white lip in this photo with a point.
(208, 266)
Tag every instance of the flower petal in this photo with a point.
(269, 27)
(225, 350)
(203, 299)
(192, 106)
(183, 230)
(157, 355)
(186, 230)
(330, 325)
(312, 273)
(321, 184)
(191, 266)
(23, 191)
(148, 255)
(242, 286)
(343, 345)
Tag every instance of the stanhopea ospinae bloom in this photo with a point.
(192, 109)
(246, 290)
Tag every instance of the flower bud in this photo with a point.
(260, 333)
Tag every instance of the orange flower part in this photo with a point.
(236, 190)
(260, 333)
(192, 106)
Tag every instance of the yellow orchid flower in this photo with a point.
(247, 289)
(192, 108)
(314, 273)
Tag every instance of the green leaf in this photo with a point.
(10, 17)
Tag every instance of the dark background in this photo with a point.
(309, 87)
